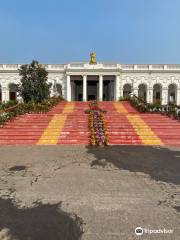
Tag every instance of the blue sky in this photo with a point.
(59, 31)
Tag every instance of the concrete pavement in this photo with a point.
(78, 192)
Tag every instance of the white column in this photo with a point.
(135, 91)
(178, 97)
(100, 88)
(68, 88)
(5, 94)
(117, 84)
(121, 88)
(84, 88)
(97, 91)
(121, 92)
(164, 96)
(149, 95)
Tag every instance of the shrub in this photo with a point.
(34, 86)
(124, 98)
(30, 107)
(8, 104)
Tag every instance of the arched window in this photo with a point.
(127, 89)
(172, 93)
(59, 89)
(142, 91)
(12, 91)
(157, 93)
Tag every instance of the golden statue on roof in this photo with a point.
(93, 58)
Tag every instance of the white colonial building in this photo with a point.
(102, 81)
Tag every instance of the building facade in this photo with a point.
(102, 81)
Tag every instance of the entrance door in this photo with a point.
(12, 96)
(92, 90)
(91, 97)
(80, 97)
(109, 88)
(77, 90)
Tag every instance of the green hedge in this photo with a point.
(127, 98)
(8, 104)
(13, 111)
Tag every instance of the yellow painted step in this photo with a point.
(120, 107)
(51, 134)
(145, 133)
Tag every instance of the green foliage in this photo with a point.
(170, 110)
(139, 104)
(125, 98)
(157, 103)
(7, 105)
(30, 107)
(33, 86)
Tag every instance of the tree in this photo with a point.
(34, 86)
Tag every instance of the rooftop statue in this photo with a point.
(93, 58)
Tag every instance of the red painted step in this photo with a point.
(119, 130)
(27, 129)
(167, 129)
(76, 128)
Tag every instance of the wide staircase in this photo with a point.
(119, 129)
(67, 123)
(127, 126)
(64, 124)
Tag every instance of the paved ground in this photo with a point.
(74, 192)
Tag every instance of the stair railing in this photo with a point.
(9, 109)
(169, 110)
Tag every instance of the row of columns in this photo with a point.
(118, 90)
(85, 88)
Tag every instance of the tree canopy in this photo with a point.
(34, 84)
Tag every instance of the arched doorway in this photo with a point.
(127, 89)
(142, 91)
(172, 93)
(157, 93)
(12, 91)
(56, 89)
(59, 89)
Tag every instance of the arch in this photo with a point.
(142, 91)
(56, 88)
(157, 93)
(127, 89)
(59, 89)
(12, 91)
(172, 93)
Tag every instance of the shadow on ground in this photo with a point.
(161, 164)
(40, 222)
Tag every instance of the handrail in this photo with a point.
(140, 99)
(9, 109)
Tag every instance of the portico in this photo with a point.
(92, 87)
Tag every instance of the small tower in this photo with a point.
(93, 58)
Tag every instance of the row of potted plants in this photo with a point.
(97, 125)
(170, 110)
(13, 111)
(140, 105)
